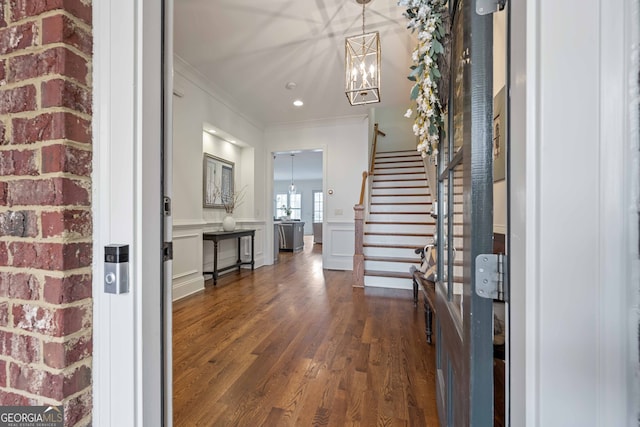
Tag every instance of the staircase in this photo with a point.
(398, 221)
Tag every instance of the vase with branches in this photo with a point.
(229, 201)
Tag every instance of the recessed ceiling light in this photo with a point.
(298, 103)
(291, 85)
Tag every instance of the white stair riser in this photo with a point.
(457, 288)
(413, 177)
(391, 208)
(400, 198)
(389, 266)
(398, 169)
(411, 217)
(457, 231)
(381, 183)
(410, 154)
(417, 241)
(458, 208)
(402, 167)
(391, 252)
(458, 200)
(387, 282)
(458, 243)
(382, 192)
(400, 228)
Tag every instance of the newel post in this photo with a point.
(358, 257)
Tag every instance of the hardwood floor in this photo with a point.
(295, 345)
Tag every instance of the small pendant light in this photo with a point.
(292, 187)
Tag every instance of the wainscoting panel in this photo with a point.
(187, 267)
(340, 240)
(227, 254)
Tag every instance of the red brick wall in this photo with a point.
(45, 205)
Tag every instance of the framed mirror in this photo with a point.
(218, 181)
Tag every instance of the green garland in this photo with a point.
(426, 18)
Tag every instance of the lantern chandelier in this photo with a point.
(362, 65)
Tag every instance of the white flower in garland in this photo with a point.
(425, 17)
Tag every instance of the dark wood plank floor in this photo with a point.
(295, 345)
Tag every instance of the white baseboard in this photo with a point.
(188, 287)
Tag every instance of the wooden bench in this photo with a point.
(429, 291)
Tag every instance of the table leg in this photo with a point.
(239, 261)
(252, 244)
(215, 263)
(428, 320)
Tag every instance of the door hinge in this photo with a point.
(167, 251)
(490, 276)
(166, 206)
(487, 7)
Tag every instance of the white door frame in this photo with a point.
(127, 362)
(127, 76)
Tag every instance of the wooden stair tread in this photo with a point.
(400, 213)
(398, 187)
(400, 223)
(378, 233)
(400, 204)
(399, 275)
(389, 246)
(397, 173)
(399, 195)
(409, 160)
(391, 259)
(397, 180)
(413, 152)
(396, 167)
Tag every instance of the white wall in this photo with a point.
(398, 129)
(344, 144)
(197, 105)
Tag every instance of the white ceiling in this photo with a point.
(306, 165)
(250, 49)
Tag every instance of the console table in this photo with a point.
(216, 237)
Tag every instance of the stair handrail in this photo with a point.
(365, 175)
(358, 257)
(376, 132)
(374, 148)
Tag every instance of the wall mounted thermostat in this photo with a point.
(116, 269)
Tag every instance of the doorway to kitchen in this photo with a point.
(298, 200)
